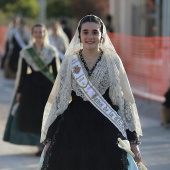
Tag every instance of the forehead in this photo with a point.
(37, 28)
(90, 26)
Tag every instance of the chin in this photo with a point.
(90, 47)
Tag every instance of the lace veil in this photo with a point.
(119, 92)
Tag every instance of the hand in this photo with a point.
(18, 97)
(46, 148)
(135, 149)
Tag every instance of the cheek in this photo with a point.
(98, 38)
(43, 35)
(82, 38)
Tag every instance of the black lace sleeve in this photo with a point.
(22, 76)
(132, 137)
(52, 129)
(54, 67)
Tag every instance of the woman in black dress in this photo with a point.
(165, 110)
(18, 37)
(35, 77)
(77, 135)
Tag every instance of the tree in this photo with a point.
(59, 8)
(96, 7)
(26, 8)
(82, 8)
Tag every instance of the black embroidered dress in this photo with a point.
(83, 139)
(24, 127)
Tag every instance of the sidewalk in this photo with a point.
(155, 147)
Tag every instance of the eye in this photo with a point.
(85, 32)
(95, 33)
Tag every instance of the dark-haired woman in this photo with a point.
(37, 71)
(81, 132)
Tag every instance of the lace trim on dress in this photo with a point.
(100, 79)
(48, 53)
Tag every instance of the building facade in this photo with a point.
(141, 17)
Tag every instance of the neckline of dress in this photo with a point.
(90, 71)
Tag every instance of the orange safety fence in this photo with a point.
(3, 30)
(146, 61)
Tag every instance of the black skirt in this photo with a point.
(35, 92)
(84, 139)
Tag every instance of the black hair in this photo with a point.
(90, 18)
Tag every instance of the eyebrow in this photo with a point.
(88, 30)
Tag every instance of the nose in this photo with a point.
(90, 36)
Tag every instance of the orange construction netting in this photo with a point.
(2, 37)
(146, 61)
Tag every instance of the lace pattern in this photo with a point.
(106, 74)
(100, 79)
(120, 94)
(58, 102)
(109, 72)
(48, 53)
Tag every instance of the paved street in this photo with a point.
(155, 147)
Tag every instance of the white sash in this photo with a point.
(94, 96)
(19, 39)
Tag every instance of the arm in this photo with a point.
(130, 113)
(52, 129)
(22, 79)
(134, 144)
(132, 135)
(50, 133)
(54, 67)
(59, 97)
(55, 106)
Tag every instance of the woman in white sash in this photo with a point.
(18, 38)
(77, 133)
(38, 67)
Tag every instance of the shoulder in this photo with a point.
(50, 47)
(24, 50)
(51, 50)
(27, 47)
(111, 55)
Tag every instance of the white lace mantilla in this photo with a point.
(109, 72)
(100, 79)
(48, 53)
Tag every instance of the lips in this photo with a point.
(90, 42)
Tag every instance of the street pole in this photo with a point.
(42, 14)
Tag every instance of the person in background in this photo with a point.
(165, 110)
(66, 29)
(18, 36)
(109, 26)
(8, 38)
(59, 39)
(37, 70)
(90, 106)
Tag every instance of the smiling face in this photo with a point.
(90, 35)
(38, 33)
